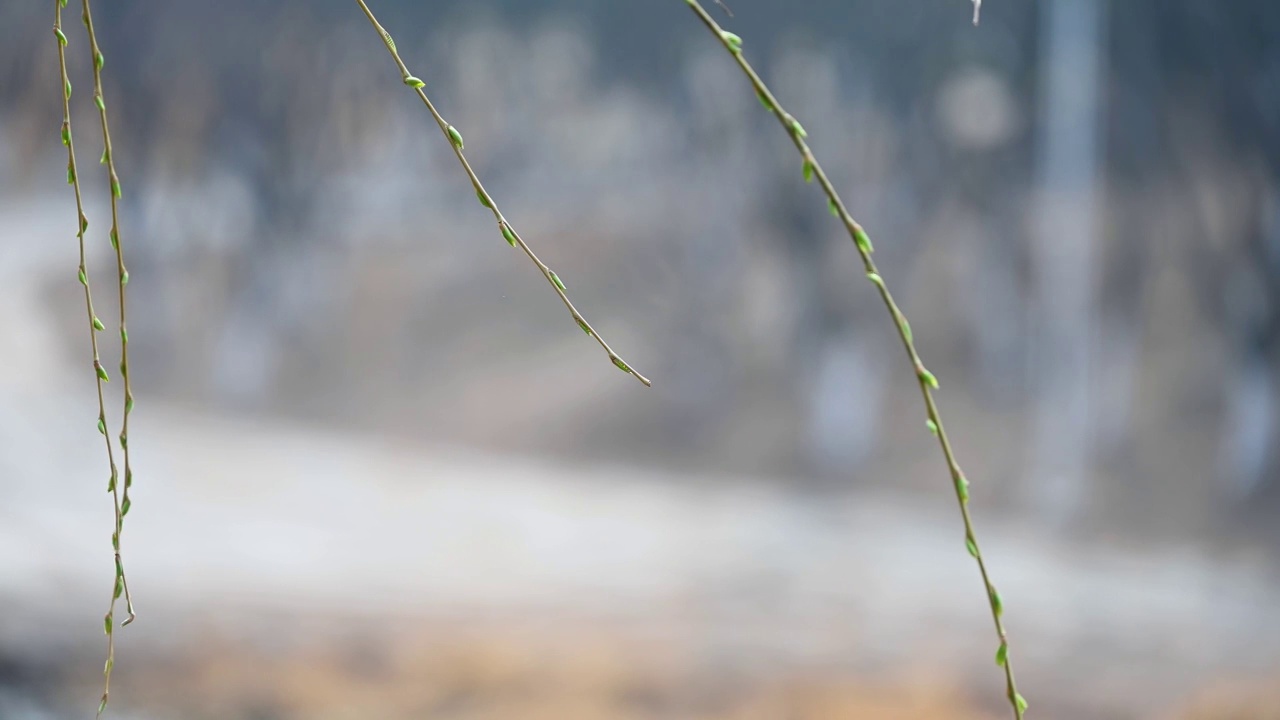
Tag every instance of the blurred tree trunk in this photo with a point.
(1064, 257)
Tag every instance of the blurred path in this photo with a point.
(248, 517)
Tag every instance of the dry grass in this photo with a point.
(515, 671)
(1257, 699)
(577, 669)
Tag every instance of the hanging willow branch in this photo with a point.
(926, 379)
(119, 495)
(508, 232)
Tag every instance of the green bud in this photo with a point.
(484, 199)
(124, 441)
(98, 61)
(962, 488)
(906, 329)
(386, 37)
(808, 171)
(84, 280)
(997, 605)
(124, 277)
(124, 335)
(97, 100)
(102, 423)
(115, 541)
(84, 223)
(102, 705)
(972, 546)
(556, 279)
(115, 239)
(106, 668)
(764, 101)
(862, 241)
(413, 82)
(508, 235)
(106, 624)
(933, 426)
(66, 134)
(71, 174)
(97, 324)
(119, 587)
(879, 281)
(128, 403)
(621, 365)
(106, 155)
(62, 39)
(833, 207)
(583, 324)
(128, 478)
(66, 89)
(796, 128)
(1020, 701)
(928, 378)
(455, 137)
(102, 374)
(111, 481)
(115, 186)
(1002, 655)
(124, 507)
(733, 41)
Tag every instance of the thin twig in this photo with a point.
(508, 232)
(95, 325)
(120, 497)
(927, 381)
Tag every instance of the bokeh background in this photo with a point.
(381, 473)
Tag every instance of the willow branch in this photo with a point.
(119, 491)
(927, 381)
(508, 232)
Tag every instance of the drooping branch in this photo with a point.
(928, 383)
(509, 233)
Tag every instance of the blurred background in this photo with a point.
(382, 474)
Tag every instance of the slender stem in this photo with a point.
(927, 381)
(120, 496)
(508, 232)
